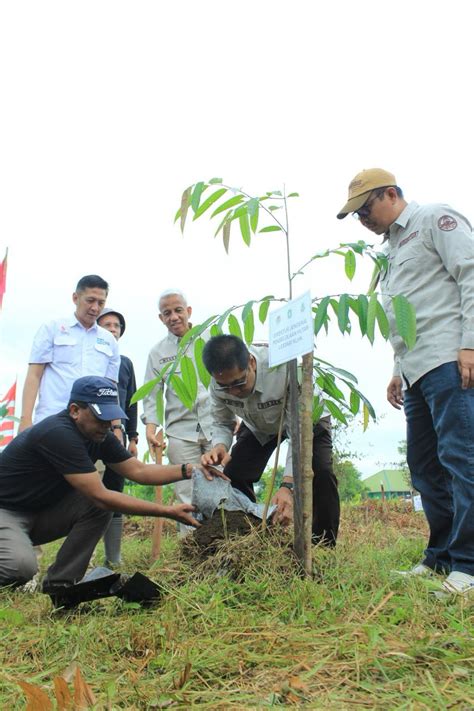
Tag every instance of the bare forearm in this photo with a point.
(30, 393)
(155, 474)
(115, 501)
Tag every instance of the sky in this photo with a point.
(111, 109)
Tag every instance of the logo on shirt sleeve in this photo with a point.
(447, 223)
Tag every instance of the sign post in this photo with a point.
(291, 336)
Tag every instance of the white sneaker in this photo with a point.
(418, 570)
(457, 583)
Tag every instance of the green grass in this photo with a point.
(243, 631)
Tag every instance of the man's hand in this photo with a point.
(212, 471)
(284, 502)
(395, 392)
(132, 448)
(217, 455)
(154, 438)
(182, 513)
(466, 368)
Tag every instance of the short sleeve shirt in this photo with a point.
(70, 351)
(33, 466)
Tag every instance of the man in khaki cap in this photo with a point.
(430, 251)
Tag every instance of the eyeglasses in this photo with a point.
(364, 212)
(235, 384)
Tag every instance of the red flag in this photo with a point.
(7, 410)
(3, 278)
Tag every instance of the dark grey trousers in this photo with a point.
(74, 517)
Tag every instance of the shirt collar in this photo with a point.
(74, 322)
(404, 217)
(172, 338)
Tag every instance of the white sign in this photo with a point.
(291, 330)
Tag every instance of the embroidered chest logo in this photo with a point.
(447, 223)
(102, 341)
(269, 403)
(408, 239)
(168, 359)
(233, 403)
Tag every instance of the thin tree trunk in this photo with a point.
(296, 457)
(307, 458)
(158, 524)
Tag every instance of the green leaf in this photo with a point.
(181, 391)
(293, 195)
(196, 195)
(247, 309)
(249, 328)
(209, 201)
(195, 331)
(318, 408)
(145, 390)
(371, 314)
(236, 200)
(254, 215)
(223, 221)
(160, 407)
(226, 236)
(363, 303)
(354, 402)
(183, 210)
(343, 313)
(204, 376)
(234, 326)
(271, 228)
(224, 316)
(382, 321)
(326, 382)
(215, 330)
(321, 314)
(188, 373)
(405, 319)
(339, 371)
(350, 264)
(245, 228)
(215, 181)
(263, 311)
(335, 411)
(365, 417)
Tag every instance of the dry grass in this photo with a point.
(242, 631)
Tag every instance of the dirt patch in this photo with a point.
(222, 526)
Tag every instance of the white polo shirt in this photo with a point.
(70, 351)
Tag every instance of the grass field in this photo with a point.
(243, 631)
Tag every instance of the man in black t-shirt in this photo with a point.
(49, 486)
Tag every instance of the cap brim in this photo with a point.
(107, 412)
(353, 204)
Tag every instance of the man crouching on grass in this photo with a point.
(49, 487)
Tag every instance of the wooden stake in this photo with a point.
(307, 393)
(157, 456)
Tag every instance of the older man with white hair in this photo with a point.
(188, 431)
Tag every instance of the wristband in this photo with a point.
(184, 472)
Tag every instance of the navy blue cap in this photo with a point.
(101, 395)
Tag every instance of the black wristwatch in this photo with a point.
(118, 427)
(287, 485)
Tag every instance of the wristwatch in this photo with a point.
(118, 427)
(287, 485)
